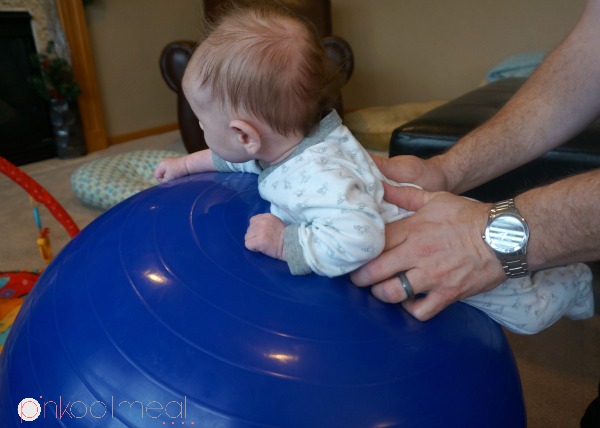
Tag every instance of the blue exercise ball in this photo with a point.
(156, 314)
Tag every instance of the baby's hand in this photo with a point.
(170, 169)
(265, 235)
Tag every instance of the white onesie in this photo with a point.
(329, 194)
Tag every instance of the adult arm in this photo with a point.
(440, 245)
(553, 105)
(563, 223)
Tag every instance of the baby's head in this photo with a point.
(265, 63)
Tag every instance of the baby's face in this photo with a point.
(215, 122)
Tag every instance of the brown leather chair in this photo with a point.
(175, 56)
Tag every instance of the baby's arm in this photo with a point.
(332, 217)
(172, 168)
(328, 248)
(334, 241)
(265, 235)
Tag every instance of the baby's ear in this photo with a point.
(247, 135)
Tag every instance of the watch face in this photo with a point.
(507, 234)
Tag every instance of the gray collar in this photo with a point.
(317, 135)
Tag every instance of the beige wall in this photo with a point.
(405, 50)
(127, 37)
(420, 50)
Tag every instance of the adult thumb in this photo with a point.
(407, 197)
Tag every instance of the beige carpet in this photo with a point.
(560, 367)
(19, 232)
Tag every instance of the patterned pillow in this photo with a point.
(105, 182)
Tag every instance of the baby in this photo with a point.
(263, 90)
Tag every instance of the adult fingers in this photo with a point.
(425, 308)
(396, 289)
(403, 169)
(407, 197)
(382, 267)
(422, 307)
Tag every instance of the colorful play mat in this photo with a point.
(15, 285)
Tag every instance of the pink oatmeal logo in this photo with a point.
(29, 409)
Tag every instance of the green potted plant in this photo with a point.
(56, 84)
(55, 80)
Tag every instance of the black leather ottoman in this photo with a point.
(436, 131)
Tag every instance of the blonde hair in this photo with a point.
(268, 63)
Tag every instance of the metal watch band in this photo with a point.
(515, 266)
(499, 207)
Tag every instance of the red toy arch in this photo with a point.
(40, 194)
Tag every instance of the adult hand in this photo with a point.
(426, 173)
(440, 248)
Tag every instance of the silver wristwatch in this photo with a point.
(507, 234)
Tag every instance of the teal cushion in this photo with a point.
(105, 182)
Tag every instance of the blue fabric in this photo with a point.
(520, 65)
